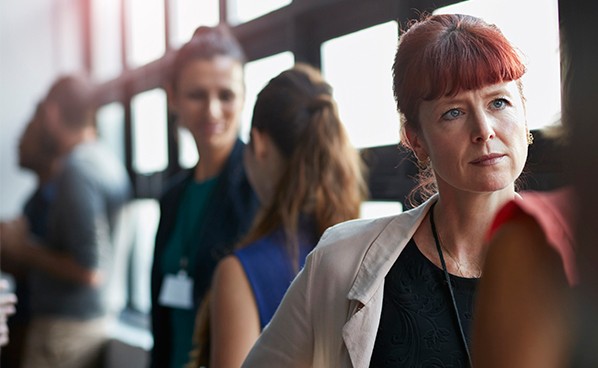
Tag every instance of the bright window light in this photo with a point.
(149, 131)
(257, 74)
(106, 53)
(373, 209)
(110, 120)
(362, 83)
(246, 10)
(534, 30)
(190, 14)
(187, 149)
(146, 31)
(69, 36)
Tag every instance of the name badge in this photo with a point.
(177, 291)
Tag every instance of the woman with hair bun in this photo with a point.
(206, 210)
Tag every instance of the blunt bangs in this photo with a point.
(465, 61)
(446, 54)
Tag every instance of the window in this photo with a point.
(246, 10)
(106, 39)
(257, 74)
(146, 40)
(187, 149)
(187, 15)
(363, 86)
(147, 215)
(110, 121)
(534, 30)
(373, 209)
(69, 35)
(149, 131)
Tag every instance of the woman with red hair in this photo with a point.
(399, 290)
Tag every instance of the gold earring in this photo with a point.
(530, 138)
(423, 164)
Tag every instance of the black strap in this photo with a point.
(448, 281)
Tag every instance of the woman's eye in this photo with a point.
(451, 114)
(227, 96)
(197, 95)
(499, 103)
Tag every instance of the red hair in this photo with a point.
(444, 54)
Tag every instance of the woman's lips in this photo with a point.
(488, 160)
(213, 128)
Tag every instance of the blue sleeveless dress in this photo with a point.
(270, 269)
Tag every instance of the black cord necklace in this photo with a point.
(448, 282)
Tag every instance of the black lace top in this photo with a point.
(418, 327)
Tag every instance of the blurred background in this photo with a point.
(125, 46)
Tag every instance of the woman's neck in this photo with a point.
(462, 222)
(464, 218)
(211, 162)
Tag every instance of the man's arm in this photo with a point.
(18, 245)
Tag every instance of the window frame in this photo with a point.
(300, 27)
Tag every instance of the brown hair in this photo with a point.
(324, 173)
(441, 55)
(206, 44)
(74, 96)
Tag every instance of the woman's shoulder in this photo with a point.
(559, 203)
(357, 236)
(554, 212)
(176, 184)
(358, 228)
(551, 209)
(266, 244)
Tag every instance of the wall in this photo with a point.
(32, 53)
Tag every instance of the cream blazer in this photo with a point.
(329, 317)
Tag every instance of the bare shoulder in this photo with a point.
(229, 273)
(231, 290)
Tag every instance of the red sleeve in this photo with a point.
(554, 213)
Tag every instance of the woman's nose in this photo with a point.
(214, 108)
(483, 129)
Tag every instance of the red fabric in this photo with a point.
(554, 212)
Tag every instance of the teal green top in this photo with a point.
(181, 247)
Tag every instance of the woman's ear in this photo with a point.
(259, 143)
(52, 116)
(417, 144)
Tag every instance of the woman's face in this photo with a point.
(477, 140)
(208, 99)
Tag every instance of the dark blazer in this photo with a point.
(229, 214)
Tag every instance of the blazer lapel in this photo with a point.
(360, 331)
(367, 291)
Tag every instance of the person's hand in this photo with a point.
(7, 307)
(13, 238)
